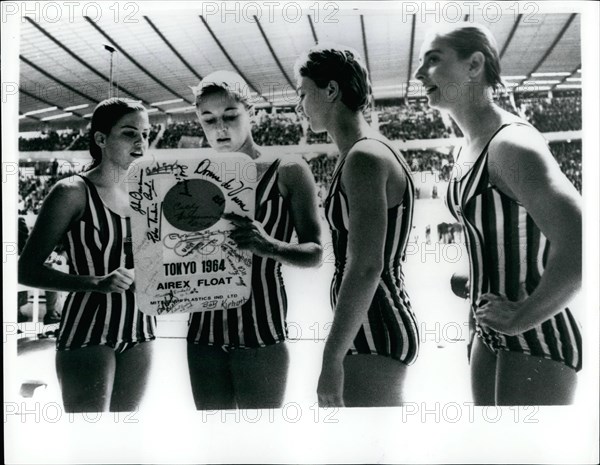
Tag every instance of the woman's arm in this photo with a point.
(364, 179)
(302, 196)
(64, 204)
(526, 171)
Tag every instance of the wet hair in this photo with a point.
(342, 65)
(232, 84)
(106, 115)
(466, 40)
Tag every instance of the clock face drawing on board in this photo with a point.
(193, 205)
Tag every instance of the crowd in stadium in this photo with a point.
(320, 138)
(66, 139)
(33, 190)
(177, 130)
(52, 141)
(322, 167)
(568, 155)
(557, 114)
(411, 122)
(277, 129)
(427, 160)
(415, 121)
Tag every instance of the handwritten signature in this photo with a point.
(167, 168)
(169, 302)
(205, 243)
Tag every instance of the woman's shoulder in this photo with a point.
(367, 160)
(70, 191)
(518, 135)
(71, 186)
(519, 152)
(293, 168)
(375, 147)
(372, 152)
(67, 197)
(291, 161)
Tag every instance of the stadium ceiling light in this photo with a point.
(542, 82)
(64, 115)
(167, 102)
(561, 73)
(89, 115)
(43, 110)
(574, 79)
(151, 110)
(181, 109)
(22, 116)
(531, 88)
(77, 107)
(517, 78)
(568, 86)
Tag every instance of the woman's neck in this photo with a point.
(109, 175)
(250, 148)
(347, 128)
(476, 117)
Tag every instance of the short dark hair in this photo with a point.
(106, 114)
(342, 65)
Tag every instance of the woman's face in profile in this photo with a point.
(312, 103)
(442, 73)
(225, 121)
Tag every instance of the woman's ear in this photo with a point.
(333, 91)
(476, 64)
(100, 139)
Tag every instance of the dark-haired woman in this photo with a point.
(103, 358)
(522, 223)
(369, 208)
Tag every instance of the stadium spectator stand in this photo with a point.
(407, 122)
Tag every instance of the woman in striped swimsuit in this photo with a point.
(369, 209)
(238, 357)
(522, 222)
(101, 361)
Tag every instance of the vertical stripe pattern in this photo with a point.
(507, 256)
(97, 245)
(261, 321)
(390, 328)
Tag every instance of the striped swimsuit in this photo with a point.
(507, 255)
(261, 321)
(390, 327)
(99, 243)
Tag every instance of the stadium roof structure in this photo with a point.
(65, 65)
